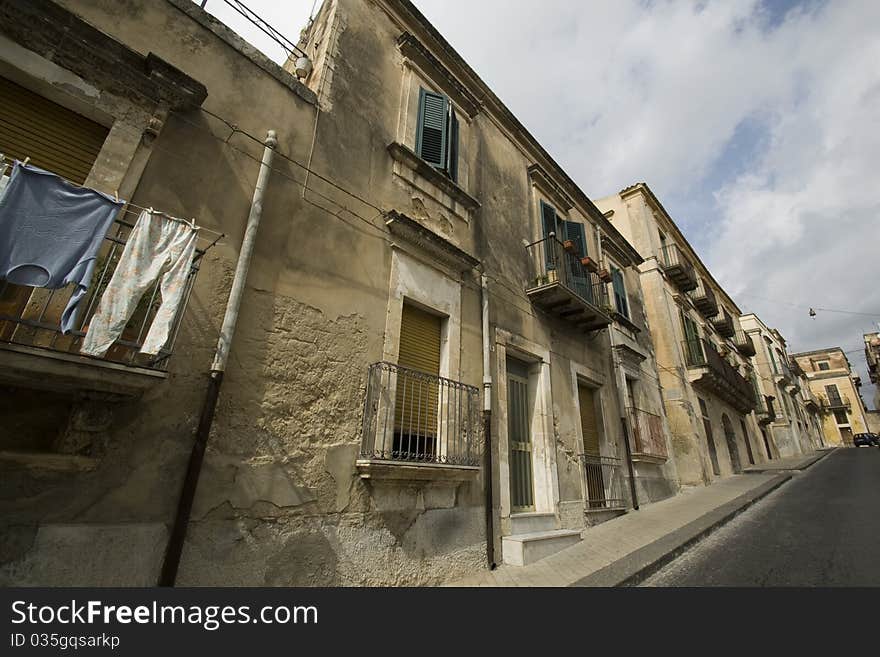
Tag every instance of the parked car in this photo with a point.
(867, 439)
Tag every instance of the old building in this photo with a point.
(701, 352)
(836, 386)
(872, 357)
(426, 282)
(786, 411)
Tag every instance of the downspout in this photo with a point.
(487, 424)
(188, 491)
(620, 377)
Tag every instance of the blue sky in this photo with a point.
(756, 123)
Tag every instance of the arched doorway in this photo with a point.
(730, 437)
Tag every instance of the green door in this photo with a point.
(522, 494)
(693, 351)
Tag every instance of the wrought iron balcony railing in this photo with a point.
(677, 267)
(603, 482)
(718, 376)
(30, 319)
(830, 403)
(561, 283)
(704, 299)
(418, 418)
(648, 439)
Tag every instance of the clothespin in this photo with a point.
(116, 195)
(26, 160)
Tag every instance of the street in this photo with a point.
(820, 529)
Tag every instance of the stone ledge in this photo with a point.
(44, 369)
(49, 461)
(411, 160)
(392, 471)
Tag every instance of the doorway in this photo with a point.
(730, 437)
(707, 425)
(519, 421)
(595, 480)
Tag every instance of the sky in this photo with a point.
(755, 122)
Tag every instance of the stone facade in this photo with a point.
(703, 370)
(787, 412)
(836, 387)
(872, 357)
(355, 225)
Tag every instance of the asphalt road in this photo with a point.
(822, 528)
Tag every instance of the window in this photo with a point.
(620, 299)
(772, 358)
(840, 417)
(437, 133)
(823, 365)
(416, 403)
(551, 222)
(693, 352)
(833, 394)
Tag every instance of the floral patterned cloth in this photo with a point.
(157, 246)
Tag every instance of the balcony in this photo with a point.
(709, 371)
(783, 374)
(829, 404)
(744, 344)
(677, 268)
(764, 409)
(35, 354)
(418, 426)
(723, 323)
(704, 299)
(561, 285)
(648, 441)
(603, 482)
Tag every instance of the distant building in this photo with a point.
(836, 385)
(872, 355)
(702, 354)
(788, 411)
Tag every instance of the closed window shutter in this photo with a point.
(417, 397)
(575, 232)
(52, 136)
(431, 131)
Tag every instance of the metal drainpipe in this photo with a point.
(487, 425)
(233, 305)
(624, 419)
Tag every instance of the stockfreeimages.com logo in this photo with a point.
(209, 617)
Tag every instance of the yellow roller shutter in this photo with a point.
(55, 138)
(417, 395)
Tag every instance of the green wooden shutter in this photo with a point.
(575, 232)
(431, 130)
(452, 163)
(619, 292)
(549, 224)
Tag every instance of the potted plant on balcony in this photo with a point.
(590, 264)
(568, 245)
(604, 275)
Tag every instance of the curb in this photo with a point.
(644, 562)
(803, 465)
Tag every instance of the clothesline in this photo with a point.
(220, 235)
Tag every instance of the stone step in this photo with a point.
(523, 549)
(528, 523)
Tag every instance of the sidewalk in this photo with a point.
(632, 547)
(792, 463)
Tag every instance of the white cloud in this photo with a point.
(626, 91)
